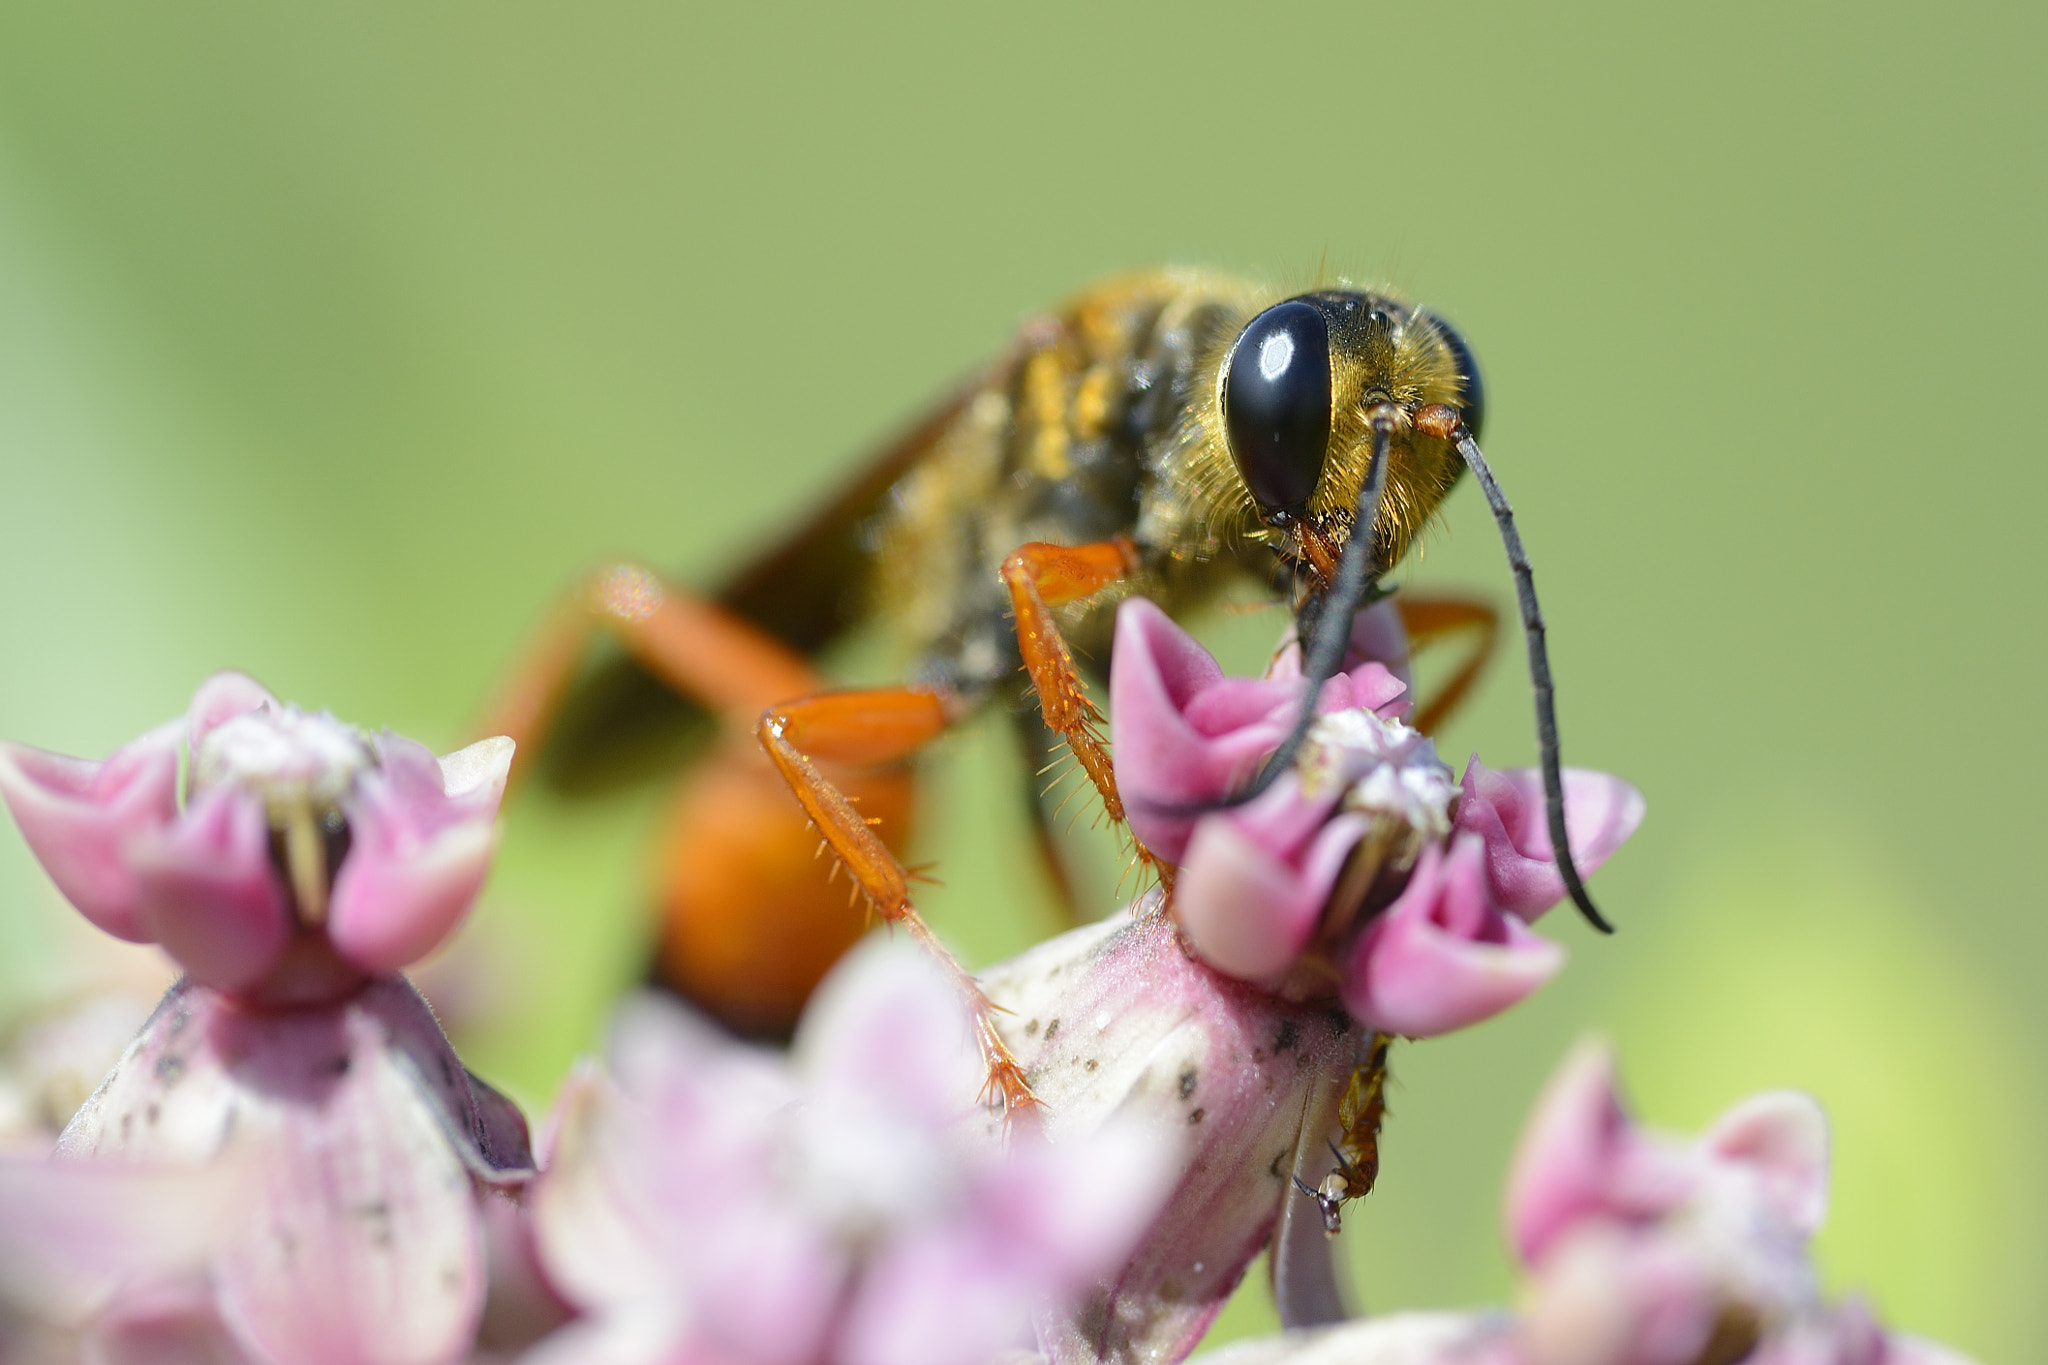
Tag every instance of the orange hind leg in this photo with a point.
(751, 917)
(1430, 619)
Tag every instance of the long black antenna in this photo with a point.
(1539, 676)
(1324, 651)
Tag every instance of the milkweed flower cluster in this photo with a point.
(709, 1201)
(1641, 1249)
(306, 863)
(289, 1163)
(1362, 896)
(1366, 872)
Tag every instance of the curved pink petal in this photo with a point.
(1164, 760)
(221, 698)
(1183, 734)
(1782, 1137)
(1580, 1156)
(1377, 637)
(475, 777)
(208, 893)
(364, 1245)
(78, 817)
(939, 1298)
(1506, 810)
(1249, 909)
(771, 1288)
(887, 1027)
(411, 873)
(1074, 1208)
(1559, 1173)
(1442, 956)
(164, 1323)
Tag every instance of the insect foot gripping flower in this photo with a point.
(708, 1201)
(1638, 1249)
(1362, 896)
(307, 864)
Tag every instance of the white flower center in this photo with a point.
(288, 758)
(1384, 767)
(301, 767)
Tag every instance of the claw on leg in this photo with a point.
(875, 727)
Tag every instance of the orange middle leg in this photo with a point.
(1429, 619)
(1041, 577)
(874, 727)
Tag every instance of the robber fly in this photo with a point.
(1166, 433)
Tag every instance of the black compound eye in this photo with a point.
(1474, 408)
(1276, 404)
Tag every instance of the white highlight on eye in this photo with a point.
(1275, 353)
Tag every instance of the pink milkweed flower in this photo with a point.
(1239, 1088)
(710, 1201)
(1365, 894)
(1641, 1249)
(1367, 874)
(307, 863)
(306, 858)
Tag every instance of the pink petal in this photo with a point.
(1506, 810)
(72, 1233)
(772, 1287)
(416, 860)
(1782, 1137)
(209, 894)
(936, 1299)
(1163, 759)
(78, 817)
(356, 1238)
(1581, 1157)
(1118, 1020)
(1606, 1293)
(1559, 1173)
(365, 1244)
(888, 1027)
(476, 775)
(220, 698)
(395, 901)
(588, 1224)
(1442, 957)
(1377, 637)
(1072, 1210)
(1407, 1338)
(164, 1324)
(1246, 908)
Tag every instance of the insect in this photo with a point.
(1360, 1115)
(1166, 433)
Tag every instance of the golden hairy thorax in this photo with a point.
(1105, 418)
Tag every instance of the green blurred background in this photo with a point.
(333, 341)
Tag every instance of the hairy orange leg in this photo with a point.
(1429, 619)
(873, 727)
(750, 917)
(1041, 577)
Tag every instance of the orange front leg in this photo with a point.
(875, 727)
(1041, 577)
(1428, 619)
